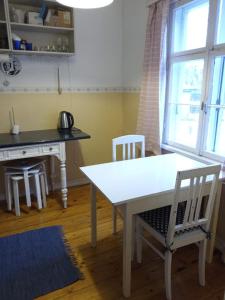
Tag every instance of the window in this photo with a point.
(195, 104)
(187, 33)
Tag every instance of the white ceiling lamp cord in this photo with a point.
(70, 86)
(59, 81)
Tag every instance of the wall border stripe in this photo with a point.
(72, 90)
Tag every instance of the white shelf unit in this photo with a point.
(45, 40)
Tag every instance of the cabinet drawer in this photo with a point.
(50, 149)
(23, 152)
(2, 155)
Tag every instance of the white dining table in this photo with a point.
(140, 185)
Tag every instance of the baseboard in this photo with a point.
(57, 186)
(73, 183)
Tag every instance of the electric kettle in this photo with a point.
(66, 121)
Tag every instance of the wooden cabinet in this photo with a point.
(52, 35)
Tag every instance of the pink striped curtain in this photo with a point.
(151, 106)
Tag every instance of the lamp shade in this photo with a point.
(86, 4)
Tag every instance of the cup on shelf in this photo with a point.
(29, 46)
(15, 129)
(16, 44)
(59, 44)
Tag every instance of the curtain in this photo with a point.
(152, 96)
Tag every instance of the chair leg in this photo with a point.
(168, 263)
(114, 218)
(201, 262)
(27, 188)
(8, 192)
(16, 197)
(43, 191)
(139, 231)
(38, 191)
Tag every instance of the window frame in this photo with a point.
(208, 54)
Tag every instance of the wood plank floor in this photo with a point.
(102, 267)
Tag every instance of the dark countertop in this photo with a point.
(27, 138)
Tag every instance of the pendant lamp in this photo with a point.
(86, 4)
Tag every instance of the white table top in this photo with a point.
(127, 180)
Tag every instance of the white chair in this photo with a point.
(12, 187)
(185, 222)
(129, 145)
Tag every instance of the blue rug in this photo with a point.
(35, 263)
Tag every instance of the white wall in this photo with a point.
(134, 28)
(109, 53)
(98, 58)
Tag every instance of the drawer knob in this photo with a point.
(50, 149)
(24, 152)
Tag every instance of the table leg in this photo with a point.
(214, 220)
(52, 172)
(93, 216)
(127, 252)
(64, 189)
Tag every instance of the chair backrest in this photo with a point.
(190, 189)
(129, 143)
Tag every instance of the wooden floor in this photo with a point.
(102, 267)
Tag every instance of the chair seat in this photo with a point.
(158, 218)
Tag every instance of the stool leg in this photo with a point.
(46, 179)
(27, 188)
(38, 191)
(43, 191)
(16, 197)
(8, 192)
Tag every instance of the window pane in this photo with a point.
(216, 110)
(216, 129)
(221, 23)
(190, 24)
(184, 102)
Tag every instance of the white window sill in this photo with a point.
(189, 154)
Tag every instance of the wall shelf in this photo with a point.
(39, 28)
(4, 50)
(27, 52)
(40, 36)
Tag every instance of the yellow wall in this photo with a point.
(130, 112)
(99, 114)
